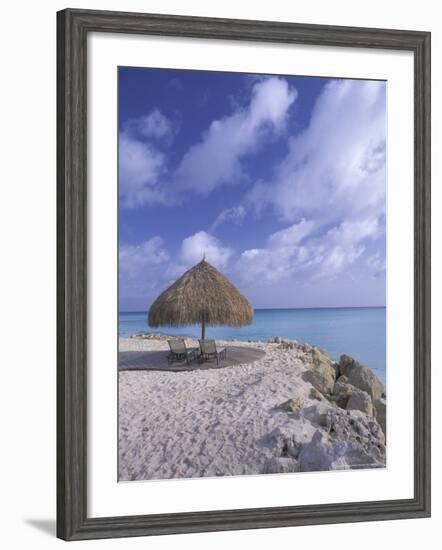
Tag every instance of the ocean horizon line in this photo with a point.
(358, 331)
(286, 308)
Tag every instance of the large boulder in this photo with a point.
(319, 357)
(354, 441)
(286, 440)
(324, 453)
(356, 456)
(342, 391)
(364, 379)
(321, 377)
(317, 413)
(317, 455)
(356, 427)
(361, 377)
(346, 364)
(351, 439)
(380, 410)
(360, 401)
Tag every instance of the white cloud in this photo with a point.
(344, 244)
(141, 269)
(329, 191)
(193, 249)
(153, 125)
(355, 230)
(174, 84)
(134, 259)
(234, 215)
(292, 235)
(335, 169)
(377, 263)
(141, 163)
(265, 266)
(216, 159)
(297, 252)
(334, 179)
(282, 256)
(140, 166)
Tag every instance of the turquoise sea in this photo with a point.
(359, 332)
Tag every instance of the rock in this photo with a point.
(364, 379)
(315, 394)
(282, 442)
(321, 377)
(380, 409)
(317, 455)
(287, 440)
(306, 348)
(360, 400)
(337, 370)
(323, 454)
(361, 377)
(346, 363)
(357, 456)
(317, 413)
(376, 431)
(342, 391)
(287, 344)
(277, 340)
(281, 465)
(357, 428)
(354, 441)
(319, 357)
(292, 405)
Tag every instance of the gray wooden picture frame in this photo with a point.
(73, 27)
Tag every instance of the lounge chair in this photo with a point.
(209, 351)
(179, 351)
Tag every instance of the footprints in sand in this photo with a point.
(205, 423)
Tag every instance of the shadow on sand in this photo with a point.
(157, 360)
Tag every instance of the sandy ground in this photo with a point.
(208, 423)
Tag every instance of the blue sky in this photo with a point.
(280, 181)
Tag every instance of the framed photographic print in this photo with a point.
(243, 274)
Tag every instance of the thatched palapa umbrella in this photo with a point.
(202, 295)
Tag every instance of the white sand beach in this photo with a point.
(265, 417)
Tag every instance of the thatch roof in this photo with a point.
(201, 295)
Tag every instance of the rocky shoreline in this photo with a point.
(350, 415)
(295, 410)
